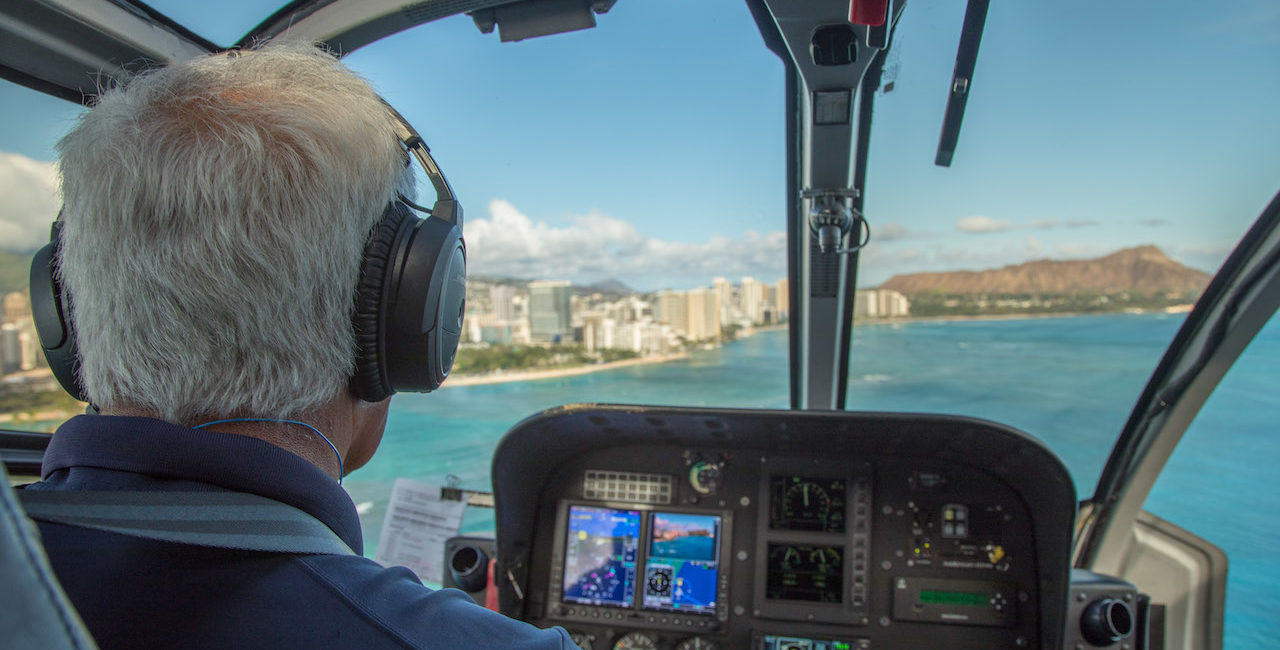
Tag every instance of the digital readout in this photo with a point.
(600, 549)
(805, 503)
(682, 571)
(936, 597)
(809, 573)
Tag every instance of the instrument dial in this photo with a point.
(582, 640)
(636, 641)
(808, 500)
(704, 477)
(800, 503)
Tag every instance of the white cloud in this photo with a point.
(891, 231)
(597, 246)
(981, 224)
(28, 201)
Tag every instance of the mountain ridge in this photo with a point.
(1141, 269)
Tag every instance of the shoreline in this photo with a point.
(573, 371)
(556, 373)
(1174, 310)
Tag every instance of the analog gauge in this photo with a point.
(704, 477)
(800, 503)
(636, 641)
(697, 643)
(807, 500)
(582, 640)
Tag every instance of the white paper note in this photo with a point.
(417, 525)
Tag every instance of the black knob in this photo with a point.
(469, 568)
(1106, 621)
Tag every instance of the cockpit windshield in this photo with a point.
(626, 205)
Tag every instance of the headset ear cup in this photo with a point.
(425, 320)
(49, 311)
(370, 381)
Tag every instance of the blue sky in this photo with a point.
(651, 148)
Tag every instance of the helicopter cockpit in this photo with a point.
(803, 525)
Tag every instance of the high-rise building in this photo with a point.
(783, 300)
(695, 314)
(502, 301)
(702, 320)
(29, 342)
(752, 294)
(893, 304)
(549, 316)
(599, 332)
(673, 309)
(724, 293)
(864, 304)
(10, 348)
(880, 303)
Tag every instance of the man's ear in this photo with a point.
(367, 420)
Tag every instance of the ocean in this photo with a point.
(1070, 382)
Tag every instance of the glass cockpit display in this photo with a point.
(682, 569)
(805, 573)
(808, 504)
(601, 546)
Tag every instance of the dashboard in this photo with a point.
(641, 528)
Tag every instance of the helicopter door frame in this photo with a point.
(1114, 535)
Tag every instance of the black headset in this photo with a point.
(410, 299)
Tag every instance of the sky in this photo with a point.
(651, 148)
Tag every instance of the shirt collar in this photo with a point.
(239, 463)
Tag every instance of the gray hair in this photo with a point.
(215, 217)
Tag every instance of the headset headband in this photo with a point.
(446, 206)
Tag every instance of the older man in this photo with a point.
(217, 213)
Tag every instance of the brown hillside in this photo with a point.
(1145, 269)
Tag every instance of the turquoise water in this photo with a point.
(1068, 381)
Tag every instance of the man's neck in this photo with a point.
(295, 438)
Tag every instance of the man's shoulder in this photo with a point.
(395, 602)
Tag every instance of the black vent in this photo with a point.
(824, 272)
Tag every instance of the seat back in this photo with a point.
(34, 612)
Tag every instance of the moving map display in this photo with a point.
(600, 549)
(682, 570)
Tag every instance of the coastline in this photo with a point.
(1176, 309)
(573, 371)
(555, 373)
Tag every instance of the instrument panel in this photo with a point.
(643, 539)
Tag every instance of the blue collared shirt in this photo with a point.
(140, 593)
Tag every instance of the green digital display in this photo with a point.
(936, 597)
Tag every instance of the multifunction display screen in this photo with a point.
(807, 573)
(682, 569)
(804, 503)
(600, 550)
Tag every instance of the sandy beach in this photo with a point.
(534, 374)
